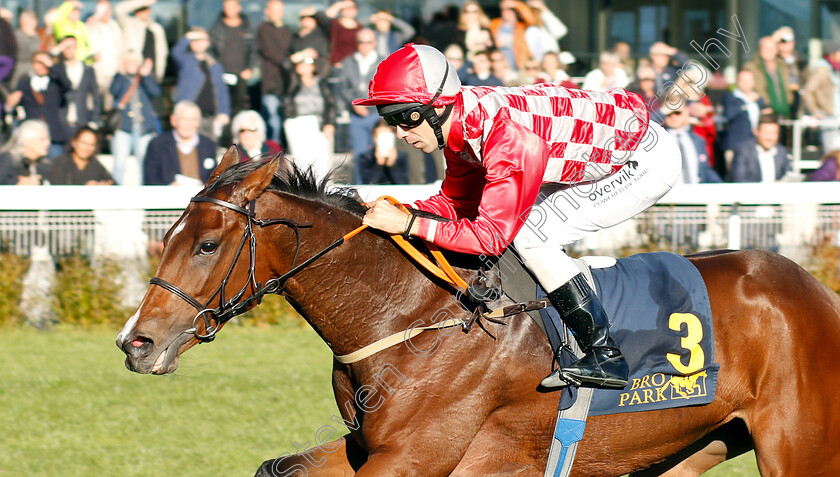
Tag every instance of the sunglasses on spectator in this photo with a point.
(471, 10)
(408, 119)
(647, 79)
(364, 42)
(251, 129)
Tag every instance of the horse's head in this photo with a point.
(206, 267)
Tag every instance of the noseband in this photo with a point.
(227, 309)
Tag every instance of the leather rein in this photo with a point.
(214, 318)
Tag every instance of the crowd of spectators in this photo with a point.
(276, 87)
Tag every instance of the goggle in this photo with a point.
(408, 119)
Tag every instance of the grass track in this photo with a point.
(69, 406)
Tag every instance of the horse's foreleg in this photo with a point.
(339, 458)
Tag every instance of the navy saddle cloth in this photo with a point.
(661, 319)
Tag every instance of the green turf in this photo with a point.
(69, 406)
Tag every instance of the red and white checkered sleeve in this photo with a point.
(515, 160)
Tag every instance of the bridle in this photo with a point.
(235, 306)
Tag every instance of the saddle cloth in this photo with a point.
(661, 319)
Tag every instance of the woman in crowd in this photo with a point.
(509, 31)
(473, 32)
(137, 88)
(309, 109)
(79, 165)
(249, 134)
(23, 159)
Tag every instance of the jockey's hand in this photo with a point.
(388, 218)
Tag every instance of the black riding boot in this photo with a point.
(603, 366)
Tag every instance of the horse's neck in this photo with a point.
(361, 291)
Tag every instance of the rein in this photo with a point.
(214, 318)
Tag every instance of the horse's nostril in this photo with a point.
(139, 346)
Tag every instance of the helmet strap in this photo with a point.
(435, 120)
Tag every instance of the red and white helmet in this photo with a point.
(413, 74)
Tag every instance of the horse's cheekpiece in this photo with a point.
(662, 321)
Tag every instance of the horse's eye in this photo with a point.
(208, 247)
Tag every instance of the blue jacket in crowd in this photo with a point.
(191, 78)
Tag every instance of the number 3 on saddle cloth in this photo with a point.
(662, 321)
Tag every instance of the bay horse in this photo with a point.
(472, 407)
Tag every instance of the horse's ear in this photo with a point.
(255, 183)
(230, 158)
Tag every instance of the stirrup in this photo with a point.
(592, 381)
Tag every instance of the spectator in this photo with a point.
(28, 43)
(106, 42)
(509, 32)
(666, 61)
(382, 163)
(797, 65)
(391, 32)
(607, 76)
(696, 167)
(310, 40)
(201, 81)
(84, 103)
(274, 40)
(343, 29)
(8, 49)
(79, 165)
(310, 117)
(232, 40)
(357, 71)
(182, 156)
(67, 22)
(443, 27)
(482, 73)
(762, 160)
(137, 87)
(829, 170)
(473, 31)
(544, 35)
(554, 67)
(822, 93)
(248, 132)
(23, 159)
(455, 56)
(741, 108)
(771, 77)
(41, 95)
(530, 73)
(645, 86)
(45, 33)
(501, 68)
(690, 85)
(628, 64)
(141, 33)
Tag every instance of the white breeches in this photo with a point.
(564, 214)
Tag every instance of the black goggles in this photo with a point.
(410, 118)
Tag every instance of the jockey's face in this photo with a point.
(423, 136)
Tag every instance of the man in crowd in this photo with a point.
(200, 80)
(274, 41)
(764, 159)
(182, 156)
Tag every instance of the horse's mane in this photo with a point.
(294, 180)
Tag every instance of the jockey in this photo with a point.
(536, 166)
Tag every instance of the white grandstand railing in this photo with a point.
(85, 220)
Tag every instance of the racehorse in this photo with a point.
(467, 404)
